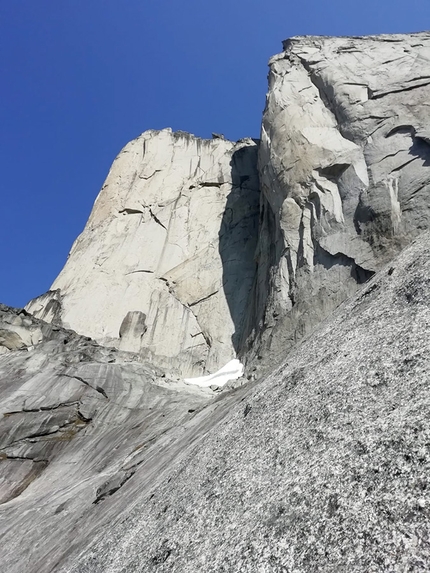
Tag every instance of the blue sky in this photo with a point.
(80, 78)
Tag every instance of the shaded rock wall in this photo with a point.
(344, 175)
(171, 238)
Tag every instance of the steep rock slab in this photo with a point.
(343, 161)
(76, 421)
(323, 466)
(165, 263)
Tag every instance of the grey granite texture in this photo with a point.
(165, 264)
(318, 459)
(322, 466)
(344, 176)
(76, 421)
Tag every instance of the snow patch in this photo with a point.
(231, 371)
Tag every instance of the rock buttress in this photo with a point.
(344, 175)
(172, 236)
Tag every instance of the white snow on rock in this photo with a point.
(231, 371)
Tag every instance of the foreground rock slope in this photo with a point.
(76, 421)
(322, 466)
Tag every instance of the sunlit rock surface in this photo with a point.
(166, 262)
(343, 164)
(76, 421)
(317, 458)
(322, 466)
(175, 262)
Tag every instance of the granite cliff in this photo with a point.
(200, 251)
(171, 244)
(166, 261)
(344, 176)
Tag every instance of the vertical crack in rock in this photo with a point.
(156, 219)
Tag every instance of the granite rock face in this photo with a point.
(108, 463)
(344, 175)
(165, 264)
(76, 421)
(322, 466)
(175, 262)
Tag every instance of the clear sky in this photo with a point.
(80, 78)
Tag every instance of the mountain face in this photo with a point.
(166, 262)
(170, 246)
(343, 164)
(198, 252)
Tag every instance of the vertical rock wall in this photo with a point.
(165, 264)
(343, 161)
(168, 258)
